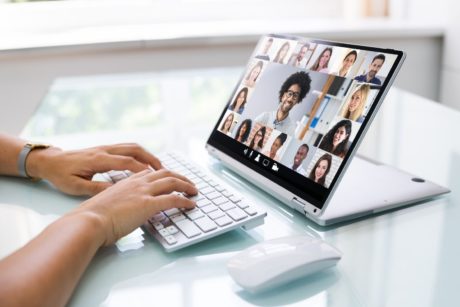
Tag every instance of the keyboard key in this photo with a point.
(180, 159)
(251, 210)
(188, 165)
(106, 177)
(243, 204)
(114, 173)
(206, 178)
(209, 208)
(201, 185)
(117, 175)
(227, 193)
(213, 195)
(205, 224)
(164, 158)
(158, 217)
(216, 214)
(220, 200)
(197, 180)
(158, 226)
(237, 214)
(227, 206)
(191, 176)
(170, 240)
(203, 203)
(188, 228)
(219, 188)
(166, 222)
(177, 217)
(163, 232)
(197, 197)
(212, 183)
(172, 165)
(235, 198)
(193, 215)
(171, 212)
(186, 211)
(207, 190)
(223, 221)
(172, 230)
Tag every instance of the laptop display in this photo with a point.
(300, 109)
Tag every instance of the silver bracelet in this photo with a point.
(25, 151)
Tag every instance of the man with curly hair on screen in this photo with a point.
(292, 92)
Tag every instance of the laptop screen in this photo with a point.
(299, 109)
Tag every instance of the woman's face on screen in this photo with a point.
(275, 146)
(254, 73)
(243, 129)
(228, 122)
(339, 135)
(241, 98)
(284, 51)
(258, 137)
(324, 59)
(355, 101)
(321, 169)
(302, 53)
(349, 61)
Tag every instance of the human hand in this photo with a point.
(130, 202)
(72, 171)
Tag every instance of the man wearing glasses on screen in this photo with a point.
(292, 92)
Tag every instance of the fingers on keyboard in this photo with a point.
(217, 210)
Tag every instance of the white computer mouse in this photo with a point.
(274, 262)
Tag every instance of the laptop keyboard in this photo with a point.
(218, 208)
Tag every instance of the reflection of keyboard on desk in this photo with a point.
(218, 208)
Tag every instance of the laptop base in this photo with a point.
(369, 188)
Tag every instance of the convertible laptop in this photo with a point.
(296, 119)
(292, 126)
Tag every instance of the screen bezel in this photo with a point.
(309, 191)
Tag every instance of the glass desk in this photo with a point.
(407, 257)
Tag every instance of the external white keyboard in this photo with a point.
(218, 208)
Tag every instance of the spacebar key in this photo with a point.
(188, 228)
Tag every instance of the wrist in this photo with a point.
(101, 218)
(38, 162)
(94, 225)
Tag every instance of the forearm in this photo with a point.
(47, 269)
(10, 147)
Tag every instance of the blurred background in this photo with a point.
(74, 66)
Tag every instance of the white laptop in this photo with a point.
(295, 120)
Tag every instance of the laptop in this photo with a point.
(295, 120)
